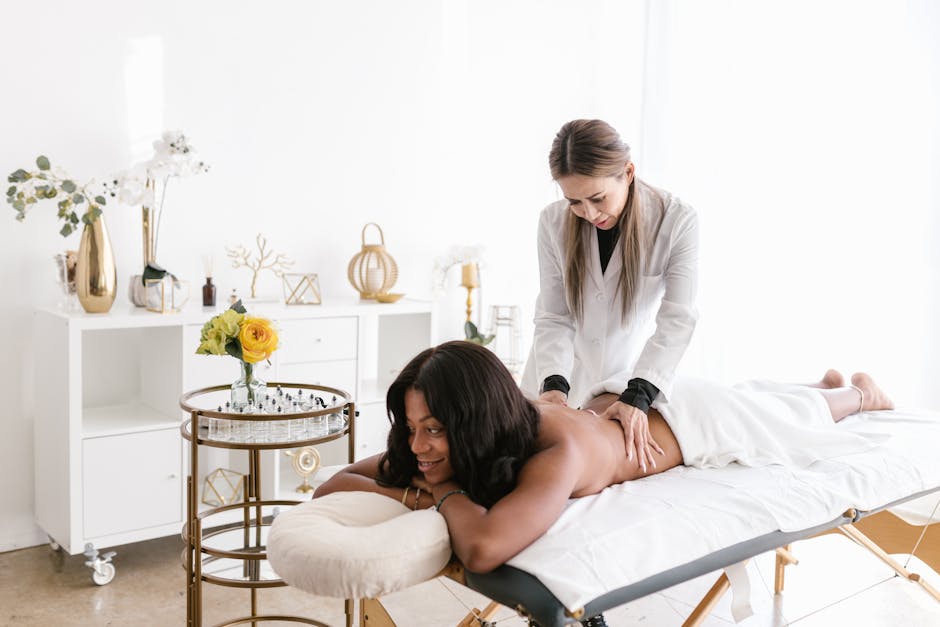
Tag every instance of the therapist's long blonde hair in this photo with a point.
(594, 148)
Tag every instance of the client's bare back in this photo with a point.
(630, 469)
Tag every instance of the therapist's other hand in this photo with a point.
(636, 432)
(554, 396)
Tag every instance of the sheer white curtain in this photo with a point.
(806, 135)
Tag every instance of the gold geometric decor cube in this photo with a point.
(301, 288)
(166, 295)
(223, 486)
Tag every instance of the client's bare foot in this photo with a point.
(832, 379)
(875, 399)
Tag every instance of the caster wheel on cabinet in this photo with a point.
(103, 575)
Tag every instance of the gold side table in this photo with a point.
(233, 551)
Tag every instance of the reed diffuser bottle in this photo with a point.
(208, 290)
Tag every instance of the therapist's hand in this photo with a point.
(554, 396)
(636, 432)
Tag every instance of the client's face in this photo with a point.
(427, 439)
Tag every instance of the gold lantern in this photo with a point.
(372, 271)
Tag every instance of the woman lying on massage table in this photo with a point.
(501, 468)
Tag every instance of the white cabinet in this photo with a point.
(108, 451)
(151, 465)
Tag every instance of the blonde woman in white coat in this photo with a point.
(618, 263)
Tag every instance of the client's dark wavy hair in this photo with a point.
(491, 426)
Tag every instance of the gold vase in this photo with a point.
(95, 274)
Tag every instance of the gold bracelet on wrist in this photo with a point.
(404, 497)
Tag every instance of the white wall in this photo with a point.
(431, 118)
(804, 133)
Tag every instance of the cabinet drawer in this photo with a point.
(317, 339)
(131, 482)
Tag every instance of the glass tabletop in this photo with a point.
(275, 401)
(239, 570)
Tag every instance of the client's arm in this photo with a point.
(484, 539)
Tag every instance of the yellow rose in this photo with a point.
(258, 339)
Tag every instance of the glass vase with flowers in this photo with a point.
(249, 339)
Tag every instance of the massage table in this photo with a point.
(641, 537)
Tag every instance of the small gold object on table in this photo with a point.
(301, 288)
(223, 486)
(372, 270)
(306, 462)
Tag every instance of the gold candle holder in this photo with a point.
(470, 278)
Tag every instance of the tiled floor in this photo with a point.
(836, 583)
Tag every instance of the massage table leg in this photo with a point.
(708, 602)
(474, 618)
(894, 535)
(348, 608)
(783, 559)
(851, 532)
(373, 614)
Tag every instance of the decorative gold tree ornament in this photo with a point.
(372, 271)
(306, 462)
(242, 259)
(223, 487)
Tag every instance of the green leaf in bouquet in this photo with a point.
(42, 162)
(234, 348)
(66, 230)
(68, 186)
(239, 308)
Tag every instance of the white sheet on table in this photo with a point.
(636, 529)
(754, 423)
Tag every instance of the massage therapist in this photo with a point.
(618, 265)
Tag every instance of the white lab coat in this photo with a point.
(605, 352)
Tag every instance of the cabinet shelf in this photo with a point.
(124, 418)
